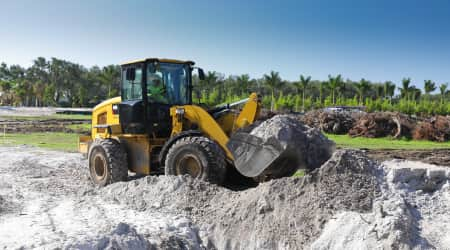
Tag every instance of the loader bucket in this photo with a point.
(253, 155)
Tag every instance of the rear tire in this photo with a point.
(107, 162)
(198, 157)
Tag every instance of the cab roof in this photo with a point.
(163, 60)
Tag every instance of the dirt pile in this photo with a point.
(48, 203)
(350, 202)
(303, 147)
(286, 213)
(434, 129)
(412, 212)
(329, 122)
(382, 124)
(122, 237)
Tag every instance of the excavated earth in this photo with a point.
(348, 202)
(351, 202)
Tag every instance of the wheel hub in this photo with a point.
(189, 164)
(99, 167)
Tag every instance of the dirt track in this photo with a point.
(434, 156)
(44, 125)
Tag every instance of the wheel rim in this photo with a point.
(189, 164)
(99, 167)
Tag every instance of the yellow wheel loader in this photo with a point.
(154, 128)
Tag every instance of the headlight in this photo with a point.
(179, 111)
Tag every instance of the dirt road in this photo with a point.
(43, 125)
(434, 156)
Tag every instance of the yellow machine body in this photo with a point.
(143, 150)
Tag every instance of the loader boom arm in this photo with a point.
(250, 112)
(209, 126)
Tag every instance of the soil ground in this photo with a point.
(434, 156)
(44, 125)
(48, 202)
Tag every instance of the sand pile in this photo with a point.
(284, 213)
(350, 202)
(412, 212)
(278, 147)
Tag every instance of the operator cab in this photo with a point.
(149, 88)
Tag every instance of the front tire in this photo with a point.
(198, 157)
(107, 162)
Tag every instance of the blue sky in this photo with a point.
(378, 40)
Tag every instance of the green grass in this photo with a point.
(56, 141)
(299, 173)
(345, 141)
(48, 117)
(83, 126)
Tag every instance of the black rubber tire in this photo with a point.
(208, 154)
(113, 160)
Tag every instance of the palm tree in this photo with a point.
(362, 87)
(404, 91)
(243, 82)
(334, 84)
(110, 77)
(272, 81)
(304, 82)
(429, 86)
(389, 89)
(443, 90)
(322, 85)
(379, 88)
(210, 81)
(414, 93)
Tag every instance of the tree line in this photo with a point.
(306, 94)
(57, 82)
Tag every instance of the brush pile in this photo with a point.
(383, 124)
(434, 129)
(329, 122)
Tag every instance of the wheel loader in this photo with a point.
(166, 133)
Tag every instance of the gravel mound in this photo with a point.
(350, 202)
(283, 213)
(413, 212)
(122, 237)
(304, 147)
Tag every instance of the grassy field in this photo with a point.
(68, 141)
(345, 141)
(57, 141)
(83, 126)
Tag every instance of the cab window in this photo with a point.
(132, 90)
(168, 83)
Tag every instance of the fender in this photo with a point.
(204, 121)
(172, 140)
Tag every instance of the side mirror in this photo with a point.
(201, 74)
